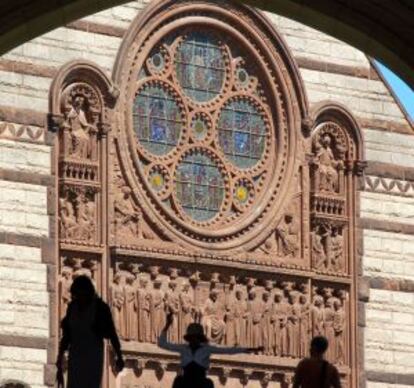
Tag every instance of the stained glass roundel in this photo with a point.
(242, 133)
(199, 186)
(200, 67)
(157, 119)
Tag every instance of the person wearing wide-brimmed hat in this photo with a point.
(195, 357)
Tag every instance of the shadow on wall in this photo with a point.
(13, 384)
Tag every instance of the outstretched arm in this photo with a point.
(162, 340)
(232, 349)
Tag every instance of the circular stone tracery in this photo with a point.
(212, 126)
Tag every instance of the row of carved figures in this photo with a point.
(281, 320)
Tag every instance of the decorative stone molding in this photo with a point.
(198, 184)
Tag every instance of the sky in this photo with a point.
(401, 89)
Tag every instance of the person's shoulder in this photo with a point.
(304, 362)
(102, 306)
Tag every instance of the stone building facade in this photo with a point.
(267, 195)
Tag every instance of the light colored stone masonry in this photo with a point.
(63, 44)
(387, 207)
(24, 300)
(309, 43)
(23, 209)
(389, 147)
(371, 384)
(22, 364)
(27, 157)
(389, 255)
(389, 335)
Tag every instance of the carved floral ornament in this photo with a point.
(208, 123)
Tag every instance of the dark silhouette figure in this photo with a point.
(195, 357)
(315, 372)
(87, 323)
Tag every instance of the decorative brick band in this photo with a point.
(401, 285)
(386, 125)
(386, 226)
(27, 68)
(389, 186)
(389, 170)
(391, 378)
(329, 67)
(22, 132)
(22, 116)
(26, 177)
(23, 341)
(97, 28)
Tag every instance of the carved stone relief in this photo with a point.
(81, 108)
(208, 199)
(77, 213)
(73, 264)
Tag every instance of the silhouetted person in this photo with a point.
(195, 357)
(87, 322)
(315, 372)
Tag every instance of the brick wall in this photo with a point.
(330, 69)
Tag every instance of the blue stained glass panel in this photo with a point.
(157, 120)
(242, 133)
(199, 186)
(199, 66)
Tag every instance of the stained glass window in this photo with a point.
(199, 66)
(199, 186)
(157, 119)
(242, 133)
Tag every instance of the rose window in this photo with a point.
(209, 134)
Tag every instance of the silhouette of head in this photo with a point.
(319, 345)
(82, 289)
(195, 334)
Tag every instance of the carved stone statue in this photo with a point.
(236, 314)
(339, 328)
(317, 316)
(212, 318)
(255, 310)
(131, 332)
(279, 318)
(127, 215)
(143, 308)
(267, 324)
(287, 235)
(157, 310)
(293, 324)
(305, 328)
(187, 310)
(327, 166)
(172, 306)
(328, 322)
(79, 128)
(86, 217)
(67, 219)
(319, 258)
(65, 284)
(118, 304)
(337, 250)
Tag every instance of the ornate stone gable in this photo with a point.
(197, 182)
